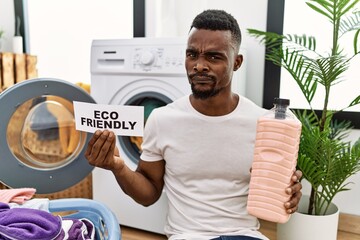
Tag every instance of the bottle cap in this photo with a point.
(282, 101)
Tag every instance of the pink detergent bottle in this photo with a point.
(275, 157)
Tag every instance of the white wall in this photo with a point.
(7, 23)
(61, 32)
(62, 42)
(349, 84)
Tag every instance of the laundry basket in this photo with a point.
(105, 222)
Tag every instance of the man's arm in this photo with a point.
(144, 185)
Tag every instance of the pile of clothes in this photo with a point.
(23, 217)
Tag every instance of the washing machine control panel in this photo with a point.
(138, 56)
(159, 59)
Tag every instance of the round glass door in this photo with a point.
(149, 100)
(39, 144)
(41, 133)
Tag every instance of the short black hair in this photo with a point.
(214, 19)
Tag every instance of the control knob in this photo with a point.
(147, 58)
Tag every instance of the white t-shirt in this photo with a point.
(207, 173)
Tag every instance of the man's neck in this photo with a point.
(215, 106)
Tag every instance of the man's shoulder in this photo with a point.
(177, 104)
(251, 107)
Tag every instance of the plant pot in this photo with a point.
(310, 227)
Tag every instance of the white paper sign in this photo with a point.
(122, 120)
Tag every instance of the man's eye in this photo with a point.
(192, 55)
(213, 57)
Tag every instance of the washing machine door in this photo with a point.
(39, 146)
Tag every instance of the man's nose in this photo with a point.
(200, 66)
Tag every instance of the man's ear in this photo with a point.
(238, 61)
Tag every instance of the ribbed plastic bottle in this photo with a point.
(275, 157)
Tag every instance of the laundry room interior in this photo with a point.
(122, 53)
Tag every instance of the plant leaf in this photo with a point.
(328, 70)
(349, 23)
(356, 42)
(317, 9)
(354, 102)
(344, 8)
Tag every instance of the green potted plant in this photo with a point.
(326, 159)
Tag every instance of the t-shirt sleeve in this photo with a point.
(150, 148)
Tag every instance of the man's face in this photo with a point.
(210, 61)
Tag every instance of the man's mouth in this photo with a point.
(202, 79)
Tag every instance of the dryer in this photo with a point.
(140, 71)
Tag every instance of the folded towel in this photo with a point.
(16, 195)
(34, 203)
(26, 223)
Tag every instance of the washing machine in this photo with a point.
(147, 72)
